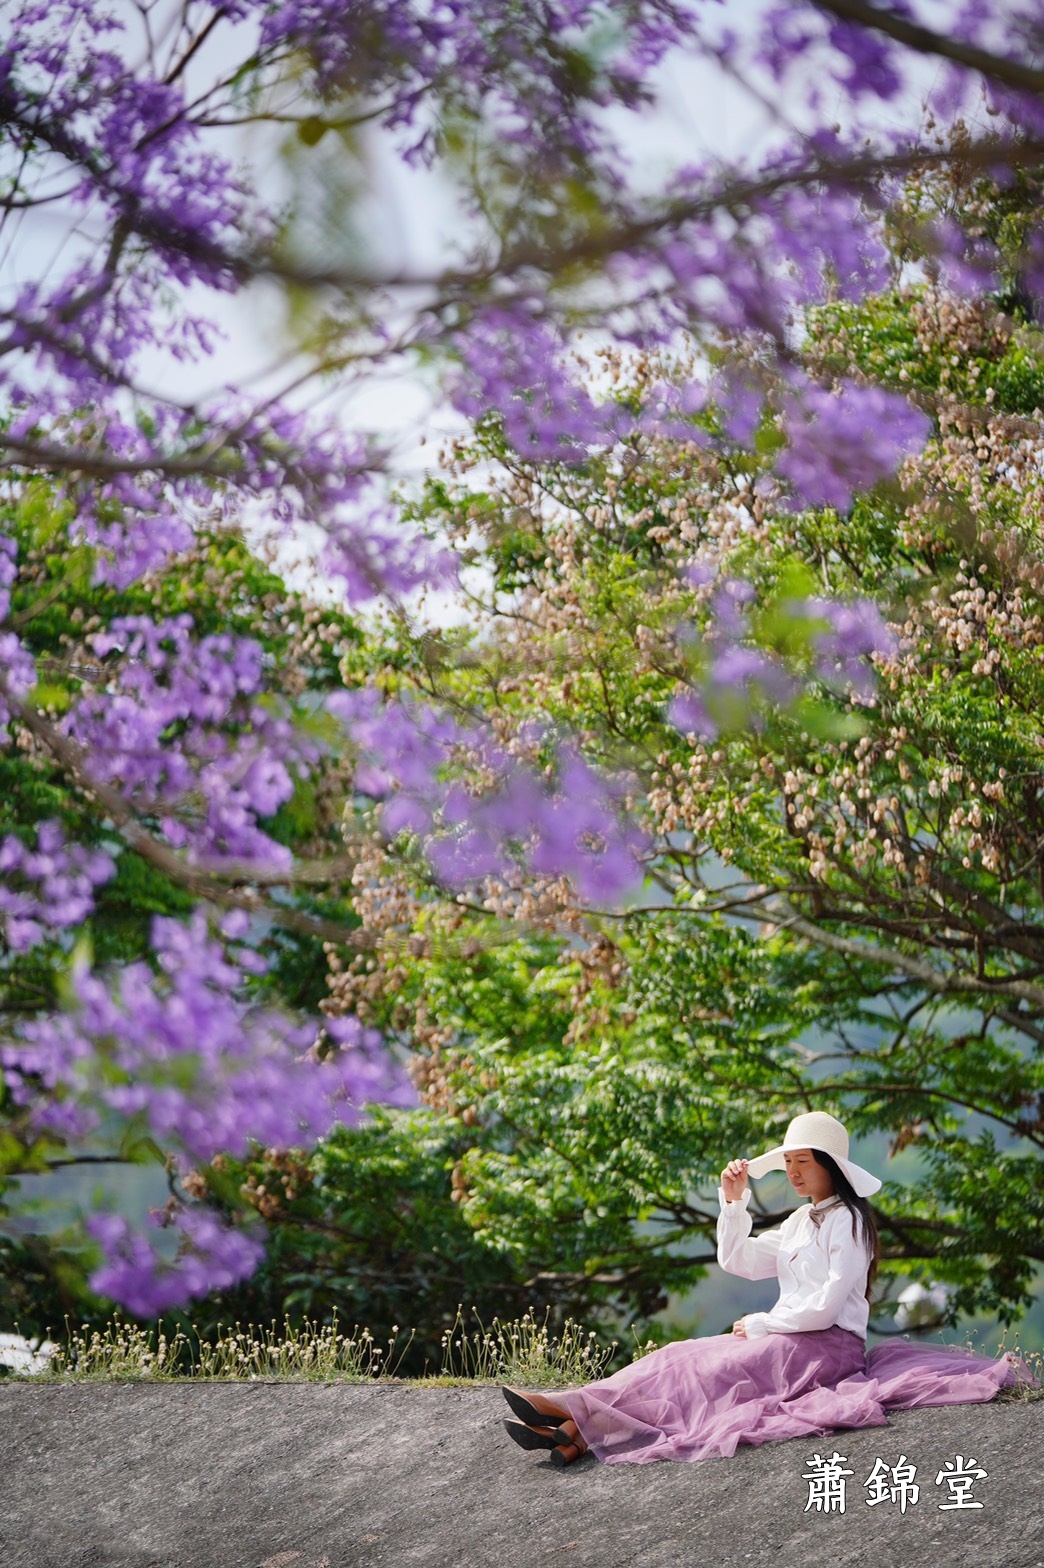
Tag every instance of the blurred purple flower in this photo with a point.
(699, 574)
(211, 1256)
(48, 889)
(745, 672)
(181, 722)
(857, 631)
(841, 442)
(206, 1071)
(574, 829)
(729, 607)
(689, 715)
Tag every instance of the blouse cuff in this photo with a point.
(733, 1205)
(755, 1325)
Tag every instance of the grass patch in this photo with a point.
(524, 1350)
(1034, 1360)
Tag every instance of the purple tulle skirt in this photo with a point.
(704, 1397)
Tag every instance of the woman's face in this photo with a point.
(807, 1176)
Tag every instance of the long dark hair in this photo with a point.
(862, 1214)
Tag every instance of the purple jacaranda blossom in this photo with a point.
(735, 681)
(798, 244)
(49, 888)
(514, 365)
(688, 714)
(853, 61)
(537, 78)
(966, 263)
(737, 684)
(871, 61)
(741, 403)
(17, 674)
(17, 665)
(575, 830)
(572, 829)
(373, 1076)
(745, 672)
(401, 746)
(8, 573)
(467, 856)
(855, 632)
(185, 1053)
(181, 722)
(699, 573)
(374, 555)
(840, 442)
(518, 73)
(832, 59)
(402, 813)
(826, 234)
(738, 680)
(729, 606)
(211, 1255)
(180, 1053)
(77, 342)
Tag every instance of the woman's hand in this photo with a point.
(734, 1179)
(738, 1329)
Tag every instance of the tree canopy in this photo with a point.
(810, 395)
(842, 904)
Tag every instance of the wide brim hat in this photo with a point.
(816, 1130)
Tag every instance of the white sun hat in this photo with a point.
(816, 1130)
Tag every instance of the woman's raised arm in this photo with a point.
(751, 1257)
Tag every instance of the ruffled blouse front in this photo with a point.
(821, 1270)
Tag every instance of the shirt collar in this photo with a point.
(818, 1210)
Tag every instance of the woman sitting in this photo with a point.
(798, 1369)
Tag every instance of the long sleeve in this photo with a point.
(751, 1257)
(819, 1305)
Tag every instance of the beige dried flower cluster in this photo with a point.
(282, 1177)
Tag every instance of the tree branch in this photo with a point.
(932, 979)
(922, 40)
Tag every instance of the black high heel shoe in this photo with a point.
(532, 1437)
(526, 1411)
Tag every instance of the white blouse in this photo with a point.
(822, 1272)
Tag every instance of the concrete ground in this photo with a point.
(232, 1475)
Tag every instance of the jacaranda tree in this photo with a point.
(116, 126)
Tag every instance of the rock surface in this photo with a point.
(232, 1475)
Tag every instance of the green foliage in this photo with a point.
(369, 1230)
(1018, 380)
(879, 335)
(843, 906)
(56, 604)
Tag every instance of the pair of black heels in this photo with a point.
(537, 1429)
